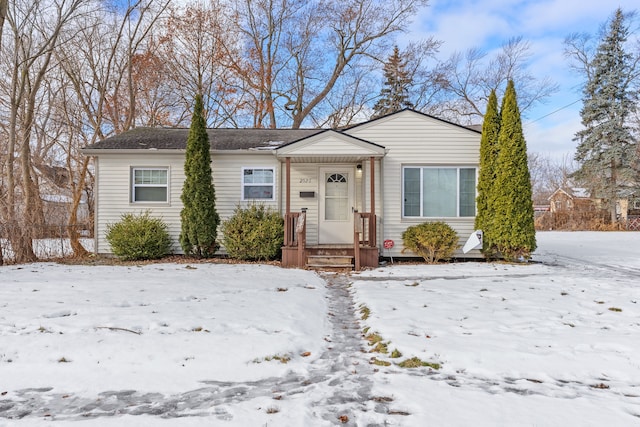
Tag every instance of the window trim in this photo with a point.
(421, 168)
(244, 184)
(133, 185)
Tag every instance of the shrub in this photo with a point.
(434, 241)
(255, 233)
(139, 237)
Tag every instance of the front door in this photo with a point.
(336, 205)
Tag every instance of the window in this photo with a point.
(439, 192)
(150, 185)
(336, 199)
(258, 183)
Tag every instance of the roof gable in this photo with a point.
(330, 143)
(410, 112)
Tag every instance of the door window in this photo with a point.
(336, 206)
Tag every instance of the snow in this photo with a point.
(553, 342)
(48, 248)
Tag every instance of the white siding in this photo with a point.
(114, 188)
(334, 145)
(304, 177)
(414, 139)
(114, 192)
(227, 178)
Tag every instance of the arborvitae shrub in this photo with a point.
(199, 217)
(139, 237)
(254, 233)
(434, 241)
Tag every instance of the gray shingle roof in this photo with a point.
(220, 139)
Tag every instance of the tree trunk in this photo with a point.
(74, 236)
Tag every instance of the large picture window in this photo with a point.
(150, 185)
(258, 184)
(439, 191)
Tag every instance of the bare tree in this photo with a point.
(196, 45)
(297, 57)
(3, 16)
(99, 69)
(36, 30)
(468, 79)
(549, 174)
(355, 32)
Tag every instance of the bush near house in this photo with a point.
(139, 237)
(255, 233)
(434, 241)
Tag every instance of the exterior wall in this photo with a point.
(414, 139)
(113, 192)
(227, 178)
(114, 188)
(560, 202)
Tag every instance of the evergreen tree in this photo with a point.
(394, 96)
(487, 175)
(199, 216)
(607, 151)
(512, 227)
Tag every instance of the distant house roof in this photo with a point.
(220, 139)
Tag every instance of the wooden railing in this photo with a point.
(366, 224)
(295, 233)
(364, 234)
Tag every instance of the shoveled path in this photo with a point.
(339, 383)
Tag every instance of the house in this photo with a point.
(340, 191)
(571, 200)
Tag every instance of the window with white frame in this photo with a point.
(150, 185)
(438, 191)
(258, 183)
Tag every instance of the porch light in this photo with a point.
(359, 168)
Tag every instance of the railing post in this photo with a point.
(357, 229)
(301, 233)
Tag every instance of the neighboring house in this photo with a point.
(56, 209)
(345, 190)
(628, 205)
(571, 200)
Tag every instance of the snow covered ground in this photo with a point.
(550, 343)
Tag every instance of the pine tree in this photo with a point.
(394, 96)
(512, 227)
(487, 175)
(607, 151)
(199, 216)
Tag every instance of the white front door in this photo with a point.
(336, 205)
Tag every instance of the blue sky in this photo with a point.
(545, 24)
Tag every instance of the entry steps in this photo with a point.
(330, 262)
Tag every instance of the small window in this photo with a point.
(439, 192)
(258, 184)
(150, 185)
